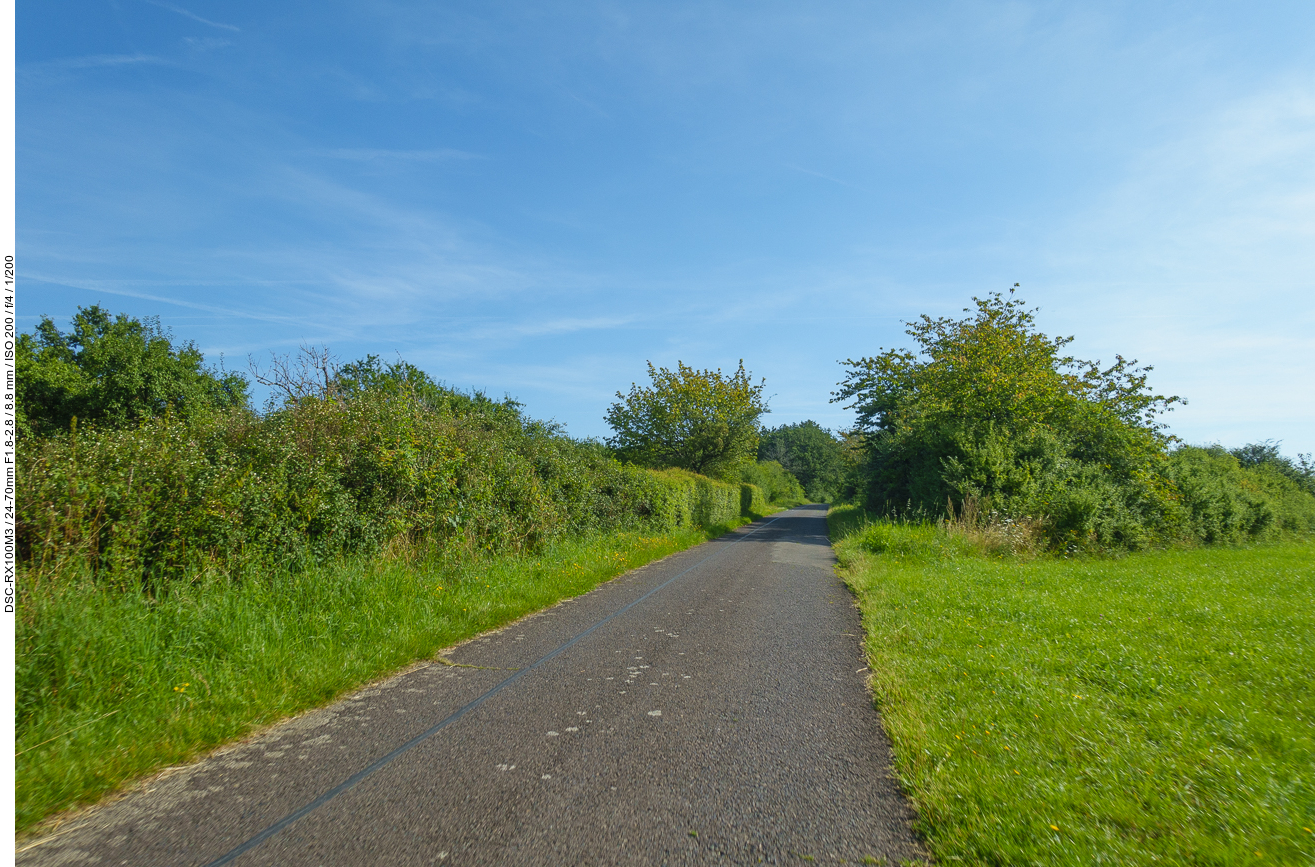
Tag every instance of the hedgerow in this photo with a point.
(234, 492)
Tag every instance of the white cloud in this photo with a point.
(186, 14)
(380, 154)
(91, 61)
(1202, 261)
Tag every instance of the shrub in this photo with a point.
(1266, 454)
(684, 499)
(775, 482)
(232, 492)
(1221, 500)
(990, 414)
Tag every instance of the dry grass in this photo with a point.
(996, 534)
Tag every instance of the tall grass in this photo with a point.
(1151, 709)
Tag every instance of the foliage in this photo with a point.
(698, 420)
(685, 499)
(1222, 499)
(995, 369)
(1146, 709)
(1266, 454)
(812, 454)
(114, 372)
(389, 459)
(778, 485)
(317, 480)
(400, 378)
(991, 412)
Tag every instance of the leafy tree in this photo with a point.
(698, 420)
(1266, 454)
(114, 372)
(811, 453)
(400, 378)
(990, 409)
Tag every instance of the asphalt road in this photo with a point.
(709, 708)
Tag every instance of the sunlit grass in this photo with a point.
(1151, 709)
(113, 685)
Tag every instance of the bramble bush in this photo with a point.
(230, 491)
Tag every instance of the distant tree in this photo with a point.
(113, 371)
(811, 453)
(1266, 454)
(698, 420)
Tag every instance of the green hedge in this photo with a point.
(777, 483)
(236, 493)
(687, 499)
(753, 500)
(1220, 500)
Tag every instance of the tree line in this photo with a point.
(985, 415)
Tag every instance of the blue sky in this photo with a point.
(536, 198)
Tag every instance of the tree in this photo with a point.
(1266, 454)
(988, 408)
(699, 420)
(811, 453)
(113, 371)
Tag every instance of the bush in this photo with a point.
(1221, 500)
(753, 501)
(232, 492)
(776, 483)
(1266, 454)
(680, 498)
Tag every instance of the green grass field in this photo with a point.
(113, 685)
(1151, 709)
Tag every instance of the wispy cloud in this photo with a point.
(805, 171)
(1232, 198)
(186, 14)
(549, 328)
(207, 43)
(1200, 260)
(93, 60)
(381, 154)
(116, 287)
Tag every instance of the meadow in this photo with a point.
(1149, 708)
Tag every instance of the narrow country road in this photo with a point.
(706, 709)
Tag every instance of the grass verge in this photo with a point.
(114, 685)
(1151, 709)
